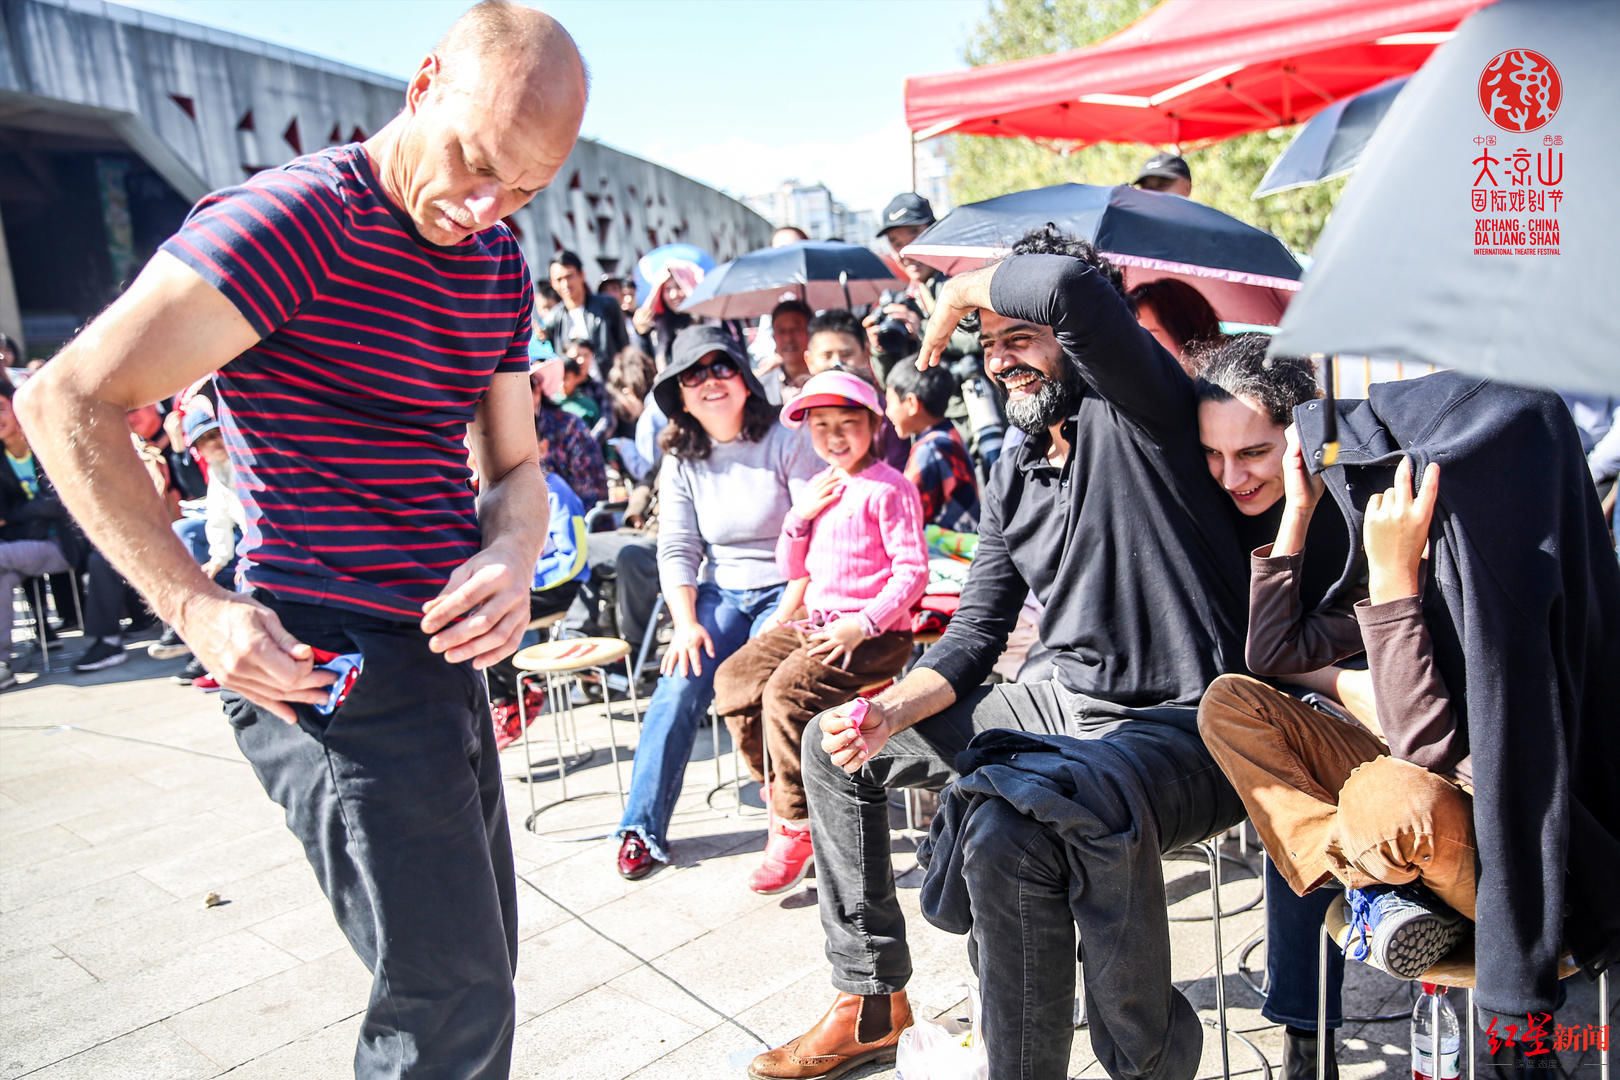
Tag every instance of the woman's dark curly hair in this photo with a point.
(1237, 368)
(686, 439)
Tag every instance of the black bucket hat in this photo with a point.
(693, 346)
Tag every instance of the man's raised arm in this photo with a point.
(1092, 322)
(169, 329)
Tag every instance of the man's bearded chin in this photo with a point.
(1056, 399)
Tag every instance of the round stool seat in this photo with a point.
(546, 622)
(571, 654)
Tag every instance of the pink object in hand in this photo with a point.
(857, 717)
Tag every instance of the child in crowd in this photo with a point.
(838, 343)
(852, 549)
(939, 463)
(558, 574)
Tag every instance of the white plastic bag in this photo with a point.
(930, 1050)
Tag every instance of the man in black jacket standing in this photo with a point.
(1106, 512)
(584, 314)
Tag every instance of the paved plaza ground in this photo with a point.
(124, 803)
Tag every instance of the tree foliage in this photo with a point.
(1224, 175)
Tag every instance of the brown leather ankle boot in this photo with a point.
(856, 1031)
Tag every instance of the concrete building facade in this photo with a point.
(113, 121)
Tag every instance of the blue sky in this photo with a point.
(740, 94)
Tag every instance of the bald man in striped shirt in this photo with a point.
(366, 313)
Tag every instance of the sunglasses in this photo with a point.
(694, 377)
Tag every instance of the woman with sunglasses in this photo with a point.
(733, 474)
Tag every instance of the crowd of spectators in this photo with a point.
(788, 496)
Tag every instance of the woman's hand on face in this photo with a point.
(836, 644)
(1395, 533)
(687, 646)
(1301, 489)
(820, 493)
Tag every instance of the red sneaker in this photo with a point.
(788, 854)
(508, 728)
(206, 683)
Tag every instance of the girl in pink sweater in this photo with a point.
(853, 552)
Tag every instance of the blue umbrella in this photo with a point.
(1245, 273)
(650, 265)
(824, 274)
(1331, 144)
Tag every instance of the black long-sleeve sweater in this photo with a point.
(1129, 545)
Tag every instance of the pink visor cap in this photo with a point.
(835, 388)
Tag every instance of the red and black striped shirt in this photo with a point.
(346, 421)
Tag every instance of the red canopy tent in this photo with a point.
(1191, 72)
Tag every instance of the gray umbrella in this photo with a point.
(1330, 145)
(1396, 274)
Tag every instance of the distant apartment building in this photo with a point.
(812, 208)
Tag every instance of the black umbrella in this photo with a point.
(824, 274)
(1331, 144)
(1402, 274)
(1247, 274)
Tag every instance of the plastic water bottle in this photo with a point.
(1434, 1021)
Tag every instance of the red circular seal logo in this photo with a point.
(1520, 90)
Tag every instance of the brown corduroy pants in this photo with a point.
(1329, 801)
(772, 686)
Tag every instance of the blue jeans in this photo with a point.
(678, 706)
(1292, 926)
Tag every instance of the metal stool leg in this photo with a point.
(528, 756)
(1469, 1021)
(41, 622)
(1213, 847)
(1322, 1033)
(613, 739)
(1603, 1020)
(556, 730)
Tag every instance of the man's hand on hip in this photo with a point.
(489, 594)
(242, 644)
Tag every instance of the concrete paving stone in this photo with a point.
(318, 1055)
(116, 946)
(646, 983)
(308, 931)
(557, 965)
(149, 1053)
(585, 880)
(35, 974)
(221, 865)
(73, 799)
(28, 753)
(600, 1035)
(71, 1023)
(627, 923)
(750, 959)
(46, 921)
(23, 885)
(58, 772)
(38, 845)
(239, 1026)
(156, 806)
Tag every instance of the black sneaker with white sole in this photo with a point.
(168, 647)
(100, 656)
(190, 672)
